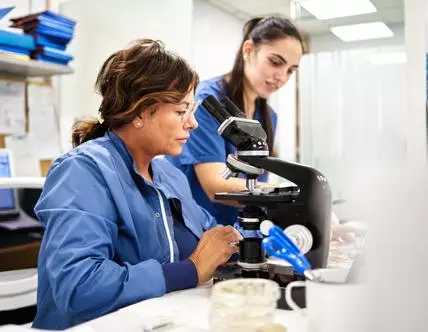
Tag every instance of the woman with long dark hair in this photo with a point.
(270, 52)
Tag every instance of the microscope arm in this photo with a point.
(304, 176)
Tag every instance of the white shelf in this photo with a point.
(18, 289)
(22, 182)
(10, 66)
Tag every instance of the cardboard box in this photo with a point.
(20, 256)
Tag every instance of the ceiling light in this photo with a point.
(362, 31)
(327, 9)
(388, 58)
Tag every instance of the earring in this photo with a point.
(138, 124)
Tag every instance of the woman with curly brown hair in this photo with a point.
(121, 225)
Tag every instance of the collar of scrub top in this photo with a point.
(130, 164)
(279, 245)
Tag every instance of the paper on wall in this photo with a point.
(24, 154)
(12, 107)
(43, 124)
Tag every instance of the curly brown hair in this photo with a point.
(132, 80)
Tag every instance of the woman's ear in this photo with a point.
(138, 122)
(247, 48)
(144, 116)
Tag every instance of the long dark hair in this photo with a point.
(132, 79)
(259, 30)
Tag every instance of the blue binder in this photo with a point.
(53, 55)
(52, 60)
(20, 22)
(5, 11)
(43, 41)
(16, 50)
(54, 27)
(47, 36)
(17, 40)
(48, 23)
(57, 35)
(52, 39)
(49, 52)
(59, 18)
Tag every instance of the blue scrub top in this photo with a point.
(109, 238)
(205, 145)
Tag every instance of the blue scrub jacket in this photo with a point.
(108, 232)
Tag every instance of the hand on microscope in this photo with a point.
(214, 249)
(347, 232)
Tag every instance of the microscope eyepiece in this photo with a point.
(232, 108)
(216, 109)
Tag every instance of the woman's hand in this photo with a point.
(214, 249)
(349, 231)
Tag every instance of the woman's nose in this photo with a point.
(191, 123)
(282, 76)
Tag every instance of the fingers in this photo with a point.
(344, 237)
(231, 238)
(228, 231)
(239, 235)
(221, 242)
(227, 252)
(357, 227)
(225, 230)
(235, 248)
(346, 232)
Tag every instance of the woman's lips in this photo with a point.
(183, 140)
(272, 86)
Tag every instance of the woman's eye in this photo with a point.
(275, 63)
(180, 113)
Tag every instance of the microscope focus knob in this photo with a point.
(301, 236)
(227, 173)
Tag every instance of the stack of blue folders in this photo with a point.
(52, 33)
(15, 44)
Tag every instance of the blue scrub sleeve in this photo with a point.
(80, 240)
(180, 275)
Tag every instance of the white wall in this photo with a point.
(216, 36)
(105, 26)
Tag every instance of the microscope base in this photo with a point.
(282, 275)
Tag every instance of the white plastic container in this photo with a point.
(243, 304)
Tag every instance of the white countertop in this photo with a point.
(189, 309)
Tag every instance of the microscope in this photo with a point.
(303, 210)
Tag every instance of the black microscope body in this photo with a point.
(303, 208)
